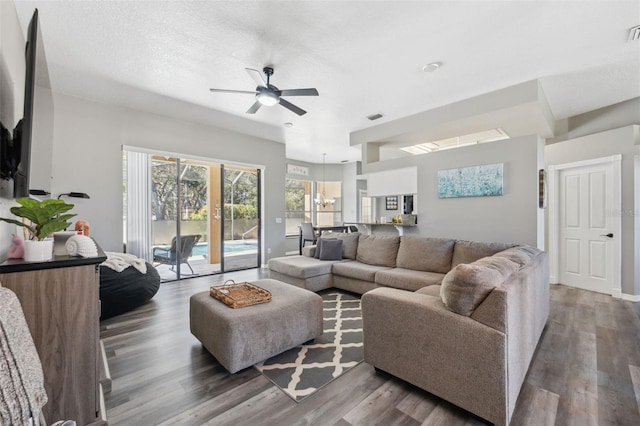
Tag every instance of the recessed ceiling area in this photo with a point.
(482, 136)
(364, 57)
(507, 113)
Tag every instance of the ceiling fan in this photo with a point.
(268, 94)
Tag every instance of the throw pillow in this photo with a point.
(466, 286)
(319, 246)
(331, 250)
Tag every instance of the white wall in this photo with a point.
(87, 158)
(349, 193)
(512, 217)
(12, 69)
(625, 141)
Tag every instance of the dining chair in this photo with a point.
(307, 233)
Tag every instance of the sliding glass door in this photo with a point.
(203, 217)
(181, 225)
(241, 188)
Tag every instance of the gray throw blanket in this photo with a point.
(22, 392)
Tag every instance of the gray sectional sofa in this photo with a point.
(460, 319)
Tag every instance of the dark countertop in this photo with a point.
(20, 265)
(381, 224)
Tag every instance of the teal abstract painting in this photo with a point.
(476, 181)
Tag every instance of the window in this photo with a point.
(329, 214)
(298, 204)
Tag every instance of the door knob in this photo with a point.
(609, 235)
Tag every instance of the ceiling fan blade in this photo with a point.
(255, 107)
(234, 91)
(299, 92)
(257, 77)
(292, 107)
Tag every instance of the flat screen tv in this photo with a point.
(23, 132)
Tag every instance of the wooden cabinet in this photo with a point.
(60, 300)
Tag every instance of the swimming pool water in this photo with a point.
(200, 249)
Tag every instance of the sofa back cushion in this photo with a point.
(349, 244)
(465, 287)
(379, 250)
(470, 251)
(425, 254)
(520, 255)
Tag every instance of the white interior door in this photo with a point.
(587, 235)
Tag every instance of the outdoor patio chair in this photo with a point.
(168, 256)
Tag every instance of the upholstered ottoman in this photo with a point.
(242, 337)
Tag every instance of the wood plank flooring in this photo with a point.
(586, 371)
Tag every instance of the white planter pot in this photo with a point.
(38, 251)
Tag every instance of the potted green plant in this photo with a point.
(46, 217)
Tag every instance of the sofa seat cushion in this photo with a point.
(301, 266)
(467, 285)
(425, 254)
(470, 251)
(407, 279)
(432, 290)
(380, 250)
(357, 270)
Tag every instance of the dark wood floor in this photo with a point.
(586, 371)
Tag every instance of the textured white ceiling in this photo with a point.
(363, 57)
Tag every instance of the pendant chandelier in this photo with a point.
(323, 201)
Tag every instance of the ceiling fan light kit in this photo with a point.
(268, 95)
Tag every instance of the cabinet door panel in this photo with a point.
(61, 309)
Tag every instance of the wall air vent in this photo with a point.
(634, 33)
(374, 116)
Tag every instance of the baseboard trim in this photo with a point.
(631, 297)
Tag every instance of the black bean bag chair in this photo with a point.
(124, 291)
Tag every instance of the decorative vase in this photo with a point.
(38, 251)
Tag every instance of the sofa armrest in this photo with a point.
(413, 336)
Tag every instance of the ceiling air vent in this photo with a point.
(373, 117)
(634, 33)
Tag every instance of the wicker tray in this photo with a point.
(240, 295)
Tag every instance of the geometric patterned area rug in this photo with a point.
(301, 371)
